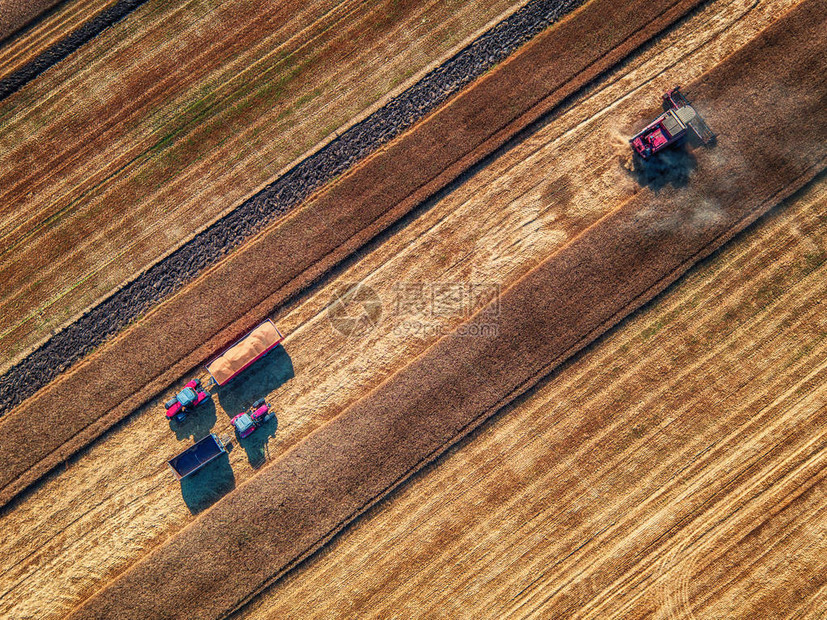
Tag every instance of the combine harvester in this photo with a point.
(225, 367)
(671, 127)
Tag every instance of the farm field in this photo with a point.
(536, 214)
(296, 504)
(673, 469)
(230, 298)
(208, 115)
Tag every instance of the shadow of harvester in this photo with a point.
(258, 381)
(671, 167)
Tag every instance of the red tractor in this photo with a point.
(671, 127)
(259, 413)
(186, 400)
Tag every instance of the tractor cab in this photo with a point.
(248, 421)
(187, 399)
(244, 424)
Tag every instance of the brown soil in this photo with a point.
(17, 13)
(169, 119)
(298, 502)
(116, 500)
(205, 316)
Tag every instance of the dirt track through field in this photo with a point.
(233, 296)
(49, 282)
(299, 501)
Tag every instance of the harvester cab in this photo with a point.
(671, 127)
(186, 400)
(259, 413)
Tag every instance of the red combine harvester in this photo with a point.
(671, 127)
(259, 413)
(222, 369)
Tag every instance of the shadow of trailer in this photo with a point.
(197, 456)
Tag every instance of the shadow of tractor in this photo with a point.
(208, 485)
(255, 444)
(198, 423)
(262, 378)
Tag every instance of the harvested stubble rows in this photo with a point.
(302, 500)
(29, 46)
(306, 78)
(231, 297)
(44, 32)
(491, 227)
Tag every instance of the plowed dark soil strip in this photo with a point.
(770, 88)
(71, 42)
(231, 297)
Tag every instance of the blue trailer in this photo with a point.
(196, 456)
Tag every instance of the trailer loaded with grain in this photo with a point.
(239, 356)
(244, 353)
